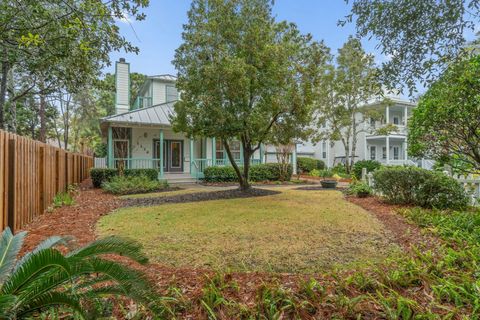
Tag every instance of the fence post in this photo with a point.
(41, 176)
(57, 171)
(364, 174)
(11, 184)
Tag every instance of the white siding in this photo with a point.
(122, 87)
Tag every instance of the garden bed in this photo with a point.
(321, 298)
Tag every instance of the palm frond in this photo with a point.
(33, 268)
(7, 303)
(116, 245)
(10, 245)
(52, 299)
(45, 244)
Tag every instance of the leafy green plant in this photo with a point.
(259, 172)
(101, 175)
(411, 185)
(63, 199)
(370, 165)
(359, 189)
(45, 278)
(307, 165)
(122, 185)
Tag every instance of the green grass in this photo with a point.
(294, 231)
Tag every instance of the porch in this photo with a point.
(179, 158)
(388, 150)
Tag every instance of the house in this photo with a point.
(141, 135)
(382, 138)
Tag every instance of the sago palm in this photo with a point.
(45, 277)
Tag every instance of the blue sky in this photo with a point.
(160, 34)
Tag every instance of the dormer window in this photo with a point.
(171, 93)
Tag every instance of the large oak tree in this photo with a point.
(241, 73)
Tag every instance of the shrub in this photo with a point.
(371, 166)
(101, 175)
(259, 172)
(133, 184)
(306, 165)
(315, 173)
(359, 189)
(152, 174)
(339, 169)
(412, 185)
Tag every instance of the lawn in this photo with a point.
(293, 231)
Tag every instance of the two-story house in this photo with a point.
(382, 138)
(141, 135)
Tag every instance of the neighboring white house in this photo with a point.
(141, 136)
(372, 143)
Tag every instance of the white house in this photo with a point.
(141, 136)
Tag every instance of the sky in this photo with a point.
(160, 34)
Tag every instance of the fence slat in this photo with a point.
(31, 174)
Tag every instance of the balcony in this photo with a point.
(142, 102)
(387, 129)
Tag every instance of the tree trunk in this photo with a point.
(3, 87)
(43, 123)
(242, 178)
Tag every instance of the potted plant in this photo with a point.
(329, 184)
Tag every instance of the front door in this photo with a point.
(172, 155)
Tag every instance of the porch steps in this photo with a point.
(179, 178)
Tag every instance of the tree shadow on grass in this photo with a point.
(198, 196)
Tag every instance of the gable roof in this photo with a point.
(157, 115)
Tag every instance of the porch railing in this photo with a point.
(137, 163)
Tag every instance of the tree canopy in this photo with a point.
(346, 85)
(241, 73)
(419, 38)
(446, 124)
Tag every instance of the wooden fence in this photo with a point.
(31, 174)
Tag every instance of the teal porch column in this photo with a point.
(161, 154)
(192, 157)
(261, 152)
(110, 148)
(214, 151)
(294, 159)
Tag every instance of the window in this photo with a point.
(396, 120)
(324, 149)
(396, 152)
(372, 122)
(219, 149)
(221, 153)
(171, 93)
(235, 149)
(373, 153)
(384, 153)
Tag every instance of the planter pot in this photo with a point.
(329, 184)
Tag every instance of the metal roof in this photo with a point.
(164, 77)
(157, 115)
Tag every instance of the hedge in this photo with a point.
(100, 175)
(259, 172)
(416, 186)
(306, 165)
(371, 166)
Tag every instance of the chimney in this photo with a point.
(122, 86)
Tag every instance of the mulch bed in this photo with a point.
(317, 188)
(199, 196)
(79, 221)
(406, 234)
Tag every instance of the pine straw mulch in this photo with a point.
(79, 221)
